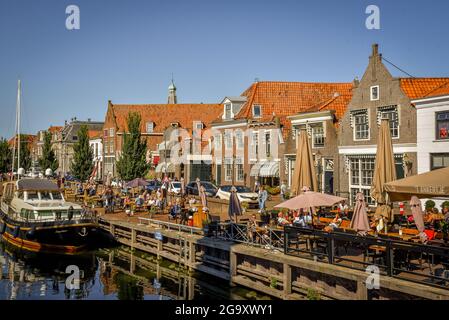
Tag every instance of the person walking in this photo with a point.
(262, 198)
(283, 191)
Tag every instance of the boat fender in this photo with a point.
(2, 228)
(31, 234)
(70, 214)
(16, 231)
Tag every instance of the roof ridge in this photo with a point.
(424, 78)
(437, 88)
(305, 82)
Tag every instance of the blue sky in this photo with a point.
(126, 51)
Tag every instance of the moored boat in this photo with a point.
(35, 216)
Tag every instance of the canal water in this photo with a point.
(106, 274)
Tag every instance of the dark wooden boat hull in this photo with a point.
(67, 237)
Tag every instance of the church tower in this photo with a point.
(172, 93)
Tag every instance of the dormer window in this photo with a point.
(374, 93)
(257, 111)
(198, 125)
(150, 127)
(228, 111)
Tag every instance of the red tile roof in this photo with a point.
(282, 99)
(416, 88)
(95, 134)
(164, 114)
(54, 129)
(29, 138)
(442, 90)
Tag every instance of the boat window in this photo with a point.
(32, 195)
(45, 195)
(26, 214)
(46, 215)
(57, 196)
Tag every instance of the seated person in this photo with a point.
(92, 191)
(336, 222)
(80, 189)
(151, 202)
(139, 201)
(281, 221)
(127, 202)
(446, 213)
(302, 220)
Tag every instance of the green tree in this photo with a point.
(5, 156)
(82, 164)
(132, 164)
(25, 154)
(48, 159)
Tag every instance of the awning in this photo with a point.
(165, 167)
(432, 184)
(269, 169)
(255, 169)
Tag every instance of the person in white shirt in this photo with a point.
(343, 206)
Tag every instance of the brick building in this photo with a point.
(157, 122)
(378, 95)
(250, 136)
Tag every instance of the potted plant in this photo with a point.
(445, 230)
(430, 204)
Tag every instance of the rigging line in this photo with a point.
(383, 58)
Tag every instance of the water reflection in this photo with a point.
(107, 273)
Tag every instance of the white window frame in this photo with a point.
(228, 169)
(111, 132)
(198, 125)
(226, 115)
(239, 174)
(360, 187)
(396, 108)
(371, 93)
(228, 140)
(354, 126)
(255, 140)
(313, 127)
(147, 126)
(218, 141)
(267, 143)
(260, 111)
(239, 140)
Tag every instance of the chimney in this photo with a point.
(356, 82)
(65, 122)
(375, 49)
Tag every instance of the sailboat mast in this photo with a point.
(18, 125)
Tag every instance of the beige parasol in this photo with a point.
(304, 172)
(426, 185)
(385, 170)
